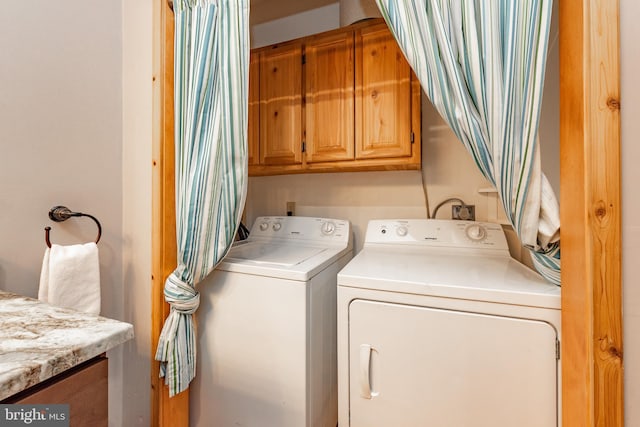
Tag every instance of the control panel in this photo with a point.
(437, 233)
(301, 228)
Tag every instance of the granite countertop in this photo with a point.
(39, 341)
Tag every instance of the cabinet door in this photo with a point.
(383, 98)
(414, 366)
(253, 134)
(329, 98)
(280, 105)
(84, 388)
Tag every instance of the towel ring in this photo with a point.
(62, 213)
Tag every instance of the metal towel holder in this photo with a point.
(62, 213)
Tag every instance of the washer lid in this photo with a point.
(284, 255)
(281, 259)
(448, 274)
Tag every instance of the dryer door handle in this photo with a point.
(365, 371)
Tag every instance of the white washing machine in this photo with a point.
(266, 328)
(439, 326)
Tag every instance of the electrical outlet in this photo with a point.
(463, 212)
(291, 208)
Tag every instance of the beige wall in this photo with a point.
(137, 89)
(61, 135)
(71, 135)
(630, 66)
(290, 27)
(549, 130)
(61, 139)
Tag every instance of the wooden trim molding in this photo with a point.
(165, 411)
(592, 363)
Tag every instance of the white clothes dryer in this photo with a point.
(439, 326)
(267, 327)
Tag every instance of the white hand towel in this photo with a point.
(70, 277)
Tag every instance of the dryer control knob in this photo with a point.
(476, 232)
(264, 226)
(328, 228)
(402, 231)
(276, 226)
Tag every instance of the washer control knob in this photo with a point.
(328, 228)
(276, 226)
(476, 232)
(402, 231)
(264, 226)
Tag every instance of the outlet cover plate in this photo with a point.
(463, 212)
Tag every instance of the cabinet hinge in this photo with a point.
(304, 58)
(304, 146)
(413, 137)
(557, 349)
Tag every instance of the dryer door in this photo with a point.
(415, 366)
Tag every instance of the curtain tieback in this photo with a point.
(182, 297)
(176, 345)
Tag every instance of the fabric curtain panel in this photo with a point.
(211, 92)
(482, 63)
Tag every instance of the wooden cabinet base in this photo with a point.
(345, 166)
(84, 388)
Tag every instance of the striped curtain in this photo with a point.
(211, 81)
(482, 63)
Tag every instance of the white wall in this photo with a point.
(630, 101)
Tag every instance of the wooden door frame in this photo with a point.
(592, 368)
(590, 200)
(165, 411)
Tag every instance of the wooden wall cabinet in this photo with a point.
(344, 100)
(281, 105)
(329, 98)
(383, 81)
(253, 132)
